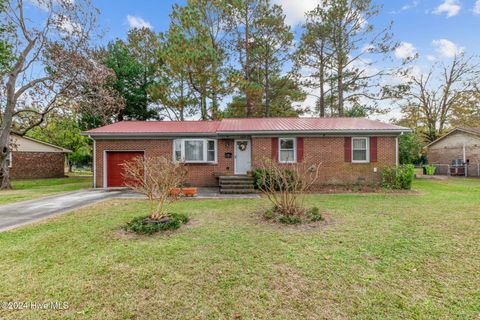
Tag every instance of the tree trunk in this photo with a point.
(250, 108)
(267, 90)
(5, 129)
(340, 90)
(322, 82)
(214, 106)
(203, 106)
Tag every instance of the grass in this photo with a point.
(395, 256)
(35, 188)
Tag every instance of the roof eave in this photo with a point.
(449, 133)
(94, 135)
(146, 134)
(316, 132)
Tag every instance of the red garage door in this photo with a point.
(114, 166)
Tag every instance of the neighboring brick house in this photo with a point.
(31, 158)
(351, 150)
(459, 144)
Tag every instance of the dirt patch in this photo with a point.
(122, 234)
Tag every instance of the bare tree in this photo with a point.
(339, 49)
(53, 68)
(285, 185)
(155, 177)
(443, 93)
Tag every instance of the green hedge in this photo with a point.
(400, 177)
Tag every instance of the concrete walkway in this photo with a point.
(20, 213)
(203, 193)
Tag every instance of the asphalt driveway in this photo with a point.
(20, 213)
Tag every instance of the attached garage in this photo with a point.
(114, 169)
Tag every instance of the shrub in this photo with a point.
(289, 219)
(400, 177)
(264, 177)
(430, 170)
(314, 214)
(285, 185)
(311, 215)
(155, 177)
(269, 214)
(141, 226)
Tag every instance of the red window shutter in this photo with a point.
(275, 149)
(373, 149)
(299, 149)
(347, 146)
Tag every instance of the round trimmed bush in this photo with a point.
(144, 225)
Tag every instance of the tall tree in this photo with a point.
(273, 43)
(446, 92)
(342, 45)
(201, 24)
(244, 16)
(53, 69)
(313, 56)
(286, 96)
(172, 90)
(352, 37)
(134, 63)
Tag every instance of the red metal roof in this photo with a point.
(303, 124)
(247, 125)
(159, 127)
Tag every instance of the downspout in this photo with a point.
(94, 163)
(396, 151)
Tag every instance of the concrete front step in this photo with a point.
(236, 178)
(237, 186)
(237, 191)
(236, 181)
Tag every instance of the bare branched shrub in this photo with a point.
(285, 185)
(155, 177)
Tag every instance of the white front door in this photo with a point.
(243, 156)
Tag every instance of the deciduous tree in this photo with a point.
(54, 68)
(439, 97)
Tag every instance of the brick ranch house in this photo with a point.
(351, 150)
(31, 159)
(461, 144)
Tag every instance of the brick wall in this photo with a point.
(327, 150)
(198, 174)
(451, 148)
(27, 165)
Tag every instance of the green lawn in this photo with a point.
(35, 188)
(384, 256)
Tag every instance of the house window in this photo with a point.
(287, 150)
(195, 150)
(360, 152)
(177, 150)
(9, 159)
